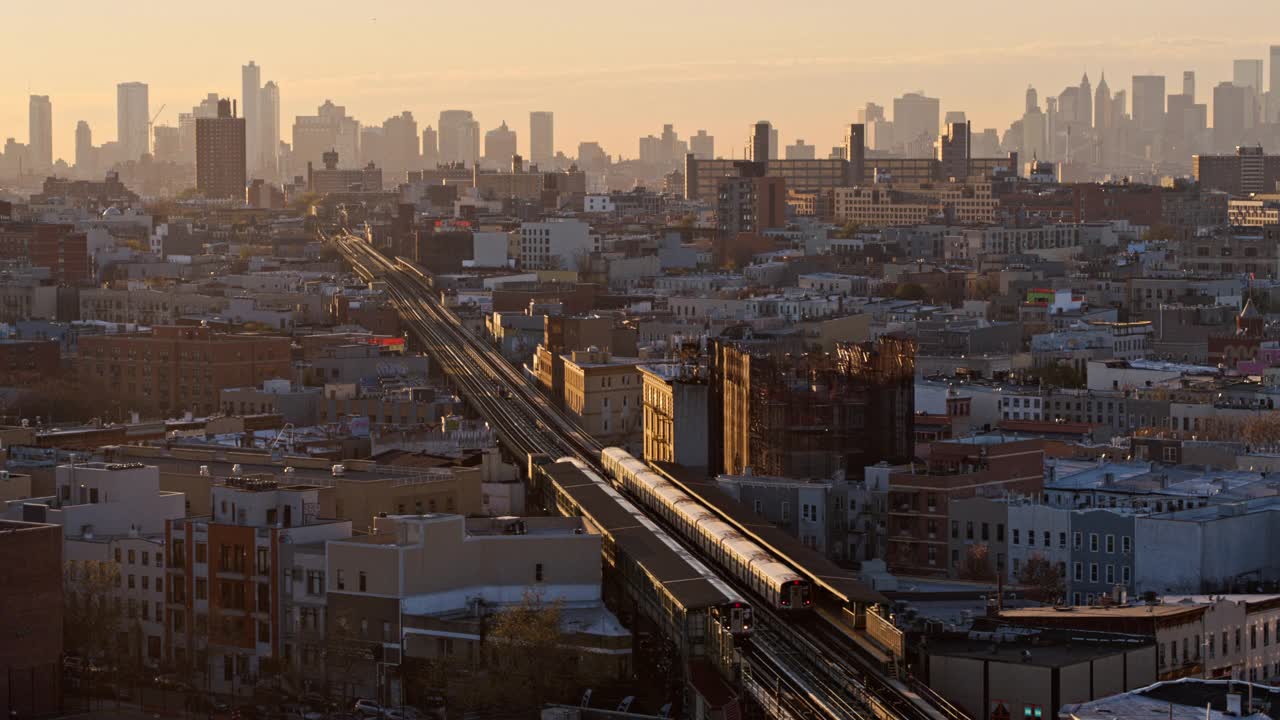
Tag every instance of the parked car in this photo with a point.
(402, 713)
(367, 708)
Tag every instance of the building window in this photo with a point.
(1093, 572)
(1126, 544)
(342, 581)
(1093, 542)
(1077, 540)
(364, 585)
(1111, 544)
(537, 572)
(1078, 571)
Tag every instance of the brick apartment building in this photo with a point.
(228, 593)
(180, 368)
(30, 619)
(23, 362)
(920, 524)
(58, 247)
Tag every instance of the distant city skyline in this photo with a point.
(699, 67)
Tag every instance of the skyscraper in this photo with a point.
(1189, 84)
(542, 144)
(916, 116)
(269, 129)
(40, 126)
(84, 149)
(220, 154)
(1148, 102)
(954, 151)
(250, 90)
(702, 145)
(430, 148)
(133, 113)
(499, 147)
(1248, 74)
(1229, 102)
(758, 142)
(1274, 84)
(801, 151)
(400, 133)
(1102, 115)
(459, 135)
(1084, 103)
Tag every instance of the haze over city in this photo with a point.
(611, 73)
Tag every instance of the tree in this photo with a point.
(1261, 429)
(1041, 580)
(67, 400)
(526, 643)
(1059, 375)
(977, 564)
(910, 291)
(848, 231)
(302, 204)
(92, 619)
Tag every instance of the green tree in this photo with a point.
(1041, 580)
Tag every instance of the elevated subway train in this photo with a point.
(734, 612)
(766, 575)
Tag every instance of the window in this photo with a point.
(1062, 540)
(955, 531)
(315, 582)
(1078, 572)
(1111, 573)
(342, 581)
(986, 531)
(131, 557)
(1031, 538)
(1111, 544)
(130, 582)
(786, 512)
(202, 553)
(1016, 532)
(264, 632)
(999, 532)
(364, 584)
(968, 530)
(537, 572)
(1125, 574)
(202, 589)
(1076, 540)
(1093, 542)
(1126, 544)
(146, 559)
(263, 563)
(1093, 572)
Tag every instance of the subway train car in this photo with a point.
(733, 613)
(767, 576)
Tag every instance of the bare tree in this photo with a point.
(93, 619)
(1041, 580)
(977, 564)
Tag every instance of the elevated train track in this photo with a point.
(803, 666)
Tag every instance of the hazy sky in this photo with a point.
(610, 71)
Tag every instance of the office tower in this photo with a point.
(1248, 74)
(269, 125)
(132, 116)
(1229, 102)
(328, 130)
(1084, 103)
(702, 145)
(499, 147)
(592, 157)
(954, 151)
(667, 146)
(1035, 129)
(773, 143)
(758, 141)
(250, 91)
(400, 135)
(1119, 105)
(430, 148)
(40, 138)
(855, 151)
(84, 149)
(220, 158)
(373, 146)
(985, 144)
(952, 117)
(542, 143)
(1102, 114)
(871, 113)
(1189, 84)
(459, 137)
(166, 143)
(1148, 102)
(916, 116)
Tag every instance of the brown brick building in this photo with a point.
(180, 368)
(58, 247)
(23, 362)
(30, 619)
(920, 499)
